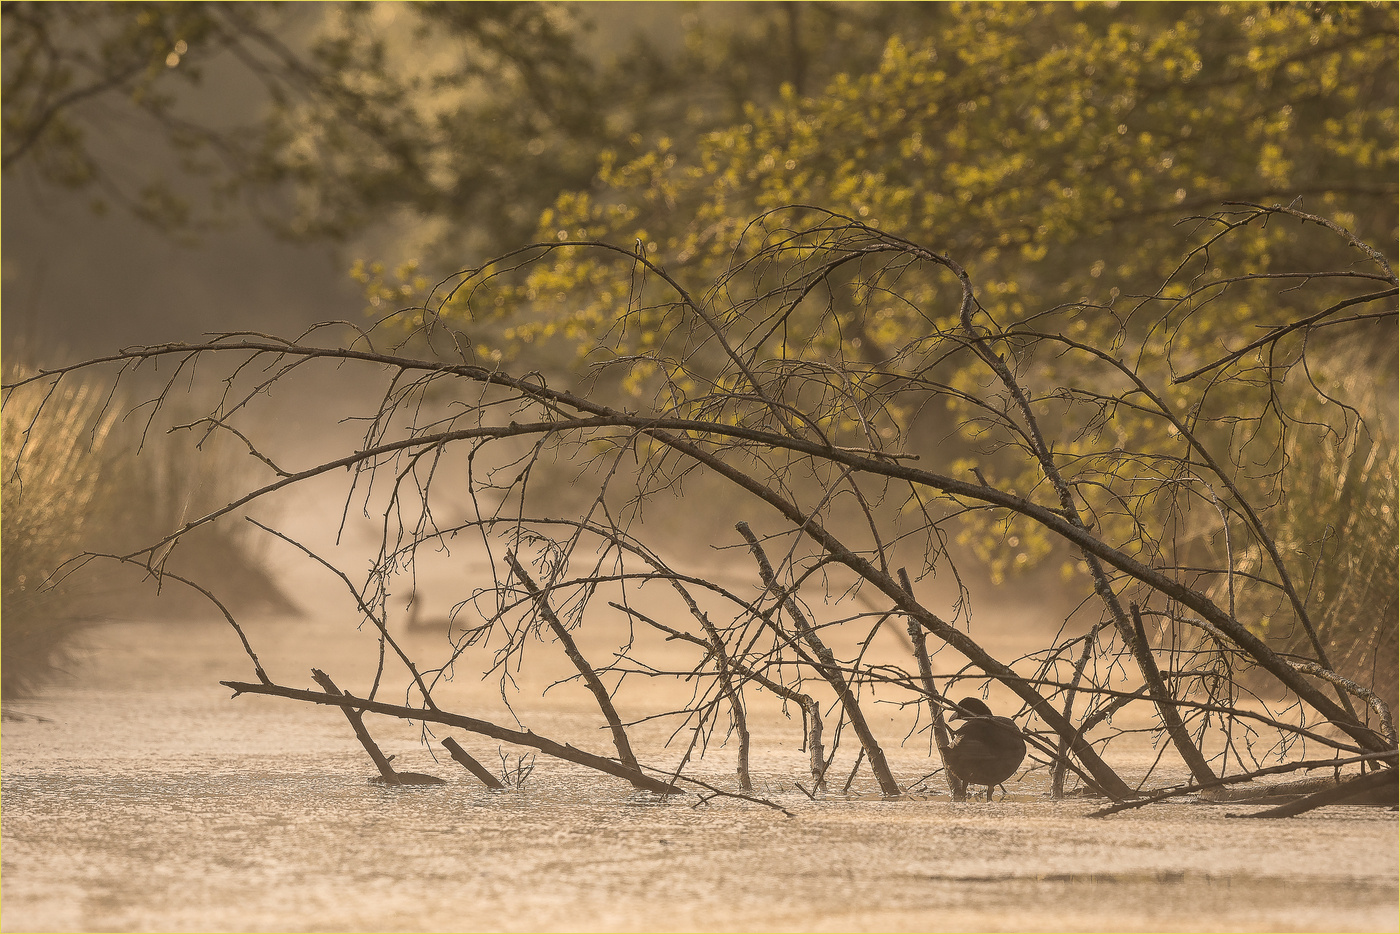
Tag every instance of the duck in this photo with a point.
(988, 749)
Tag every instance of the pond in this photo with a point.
(139, 797)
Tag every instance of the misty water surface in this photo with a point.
(148, 800)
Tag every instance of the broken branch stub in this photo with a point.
(357, 723)
(471, 764)
(826, 667)
(590, 677)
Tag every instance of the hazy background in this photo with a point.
(79, 283)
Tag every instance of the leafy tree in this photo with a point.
(1034, 141)
(1031, 143)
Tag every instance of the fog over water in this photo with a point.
(147, 800)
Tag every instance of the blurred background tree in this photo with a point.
(1012, 131)
(324, 120)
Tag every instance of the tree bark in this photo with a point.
(1162, 698)
(1385, 779)
(471, 765)
(357, 723)
(590, 677)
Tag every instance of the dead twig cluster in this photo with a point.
(1098, 435)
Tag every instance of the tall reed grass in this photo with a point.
(53, 479)
(1336, 524)
(77, 479)
(1341, 514)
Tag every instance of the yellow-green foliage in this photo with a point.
(1051, 150)
(1048, 148)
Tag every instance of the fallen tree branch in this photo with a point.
(590, 677)
(1191, 788)
(1163, 700)
(1372, 699)
(827, 669)
(675, 433)
(720, 793)
(935, 700)
(548, 746)
(357, 723)
(811, 710)
(1373, 781)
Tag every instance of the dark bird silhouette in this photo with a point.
(987, 750)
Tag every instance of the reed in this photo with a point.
(1342, 514)
(78, 478)
(53, 483)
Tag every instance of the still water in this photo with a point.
(147, 800)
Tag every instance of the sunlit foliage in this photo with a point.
(1051, 150)
(1047, 148)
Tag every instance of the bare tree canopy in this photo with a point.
(1155, 447)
